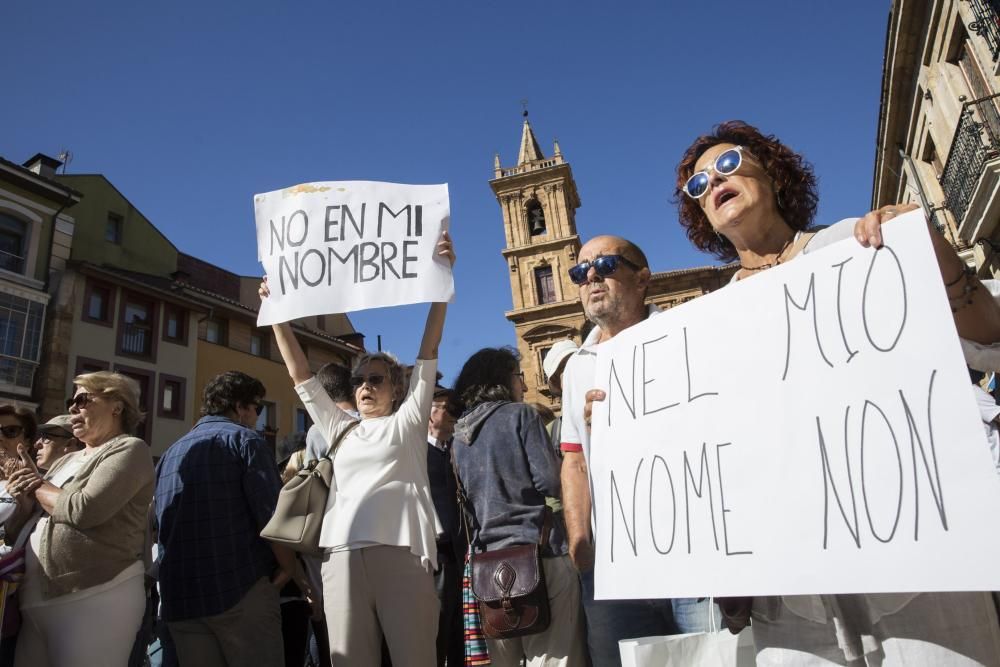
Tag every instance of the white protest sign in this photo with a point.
(809, 430)
(342, 246)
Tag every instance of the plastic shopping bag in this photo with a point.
(698, 649)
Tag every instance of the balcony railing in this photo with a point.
(977, 140)
(11, 262)
(987, 23)
(137, 339)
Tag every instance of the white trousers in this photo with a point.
(97, 631)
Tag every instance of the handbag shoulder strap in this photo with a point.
(463, 499)
(340, 438)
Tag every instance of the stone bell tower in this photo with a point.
(538, 202)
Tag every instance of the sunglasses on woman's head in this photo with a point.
(12, 431)
(604, 266)
(373, 380)
(79, 401)
(727, 163)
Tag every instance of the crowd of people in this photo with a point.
(114, 550)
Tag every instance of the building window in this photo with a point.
(536, 217)
(171, 403)
(20, 339)
(175, 324)
(88, 365)
(114, 228)
(545, 285)
(266, 418)
(215, 331)
(13, 243)
(136, 325)
(258, 345)
(98, 303)
(145, 380)
(979, 88)
(302, 420)
(542, 353)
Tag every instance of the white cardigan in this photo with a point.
(380, 492)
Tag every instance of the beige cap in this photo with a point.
(58, 425)
(555, 356)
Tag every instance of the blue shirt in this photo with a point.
(216, 488)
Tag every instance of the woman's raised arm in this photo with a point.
(295, 359)
(436, 315)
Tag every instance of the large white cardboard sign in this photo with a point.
(342, 246)
(811, 429)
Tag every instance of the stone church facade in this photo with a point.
(538, 201)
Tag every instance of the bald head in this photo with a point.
(631, 251)
(615, 301)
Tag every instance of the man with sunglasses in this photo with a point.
(55, 440)
(613, 276)
(216, 489)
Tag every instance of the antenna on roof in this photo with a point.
(65, 156)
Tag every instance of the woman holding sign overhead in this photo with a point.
(379, 528)
(744, 196)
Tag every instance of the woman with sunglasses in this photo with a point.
(508, 469)
(17, 429)
(83, 595)
(747, 197)
(379, 529)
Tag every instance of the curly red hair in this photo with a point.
(793, 179)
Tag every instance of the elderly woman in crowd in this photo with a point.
(748, 197)
(379, 528)
(508, 469)
(83, 596)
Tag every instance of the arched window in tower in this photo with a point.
(536, 217)
(545, 285)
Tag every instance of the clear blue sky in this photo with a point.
(190, 108)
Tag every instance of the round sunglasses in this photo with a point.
(604, 266)
(727, 163)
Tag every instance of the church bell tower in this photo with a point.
(538, 201)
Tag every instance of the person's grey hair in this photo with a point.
(396, 372)
(117, 387)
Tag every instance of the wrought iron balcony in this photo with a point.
(987, 23)
(137, 339)
(976, 141)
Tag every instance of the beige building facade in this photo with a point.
(36, 237)
(538, 201)
(938, 141)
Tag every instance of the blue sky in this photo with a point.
(191, 108)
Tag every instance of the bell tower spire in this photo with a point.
(538, 201)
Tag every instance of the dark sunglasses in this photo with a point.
(12, 431)
(604, 266)
(258, 408)
(373, 380)
(727, 163)
(79, 401)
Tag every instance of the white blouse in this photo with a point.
(380, 492)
